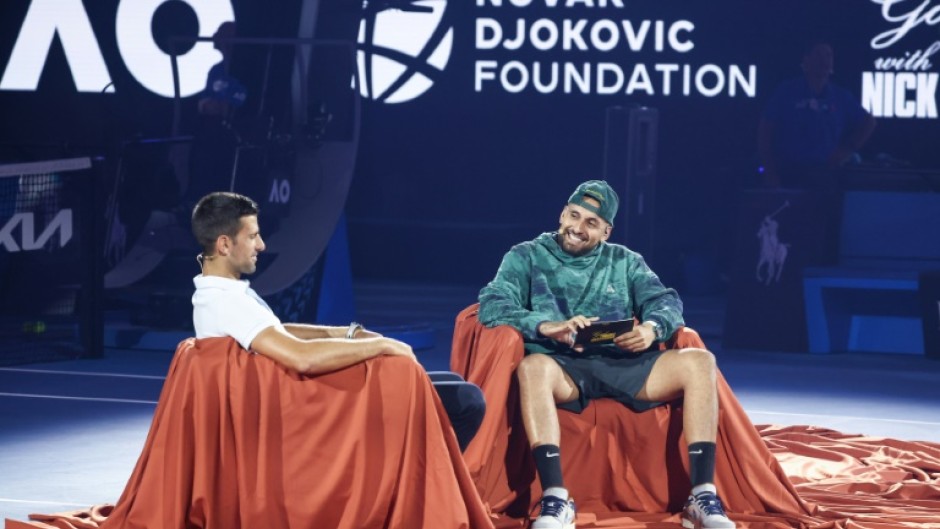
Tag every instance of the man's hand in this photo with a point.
(392, 347)
(565, 331)
(637, 340)
(365, 333)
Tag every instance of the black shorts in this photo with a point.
(619, 377)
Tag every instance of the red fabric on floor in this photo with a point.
(859, 481)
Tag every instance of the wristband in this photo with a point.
(354, 327)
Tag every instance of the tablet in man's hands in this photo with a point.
(602, 332)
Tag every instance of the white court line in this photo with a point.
(78, 373)
(903, 421)
(49, 502)
(63, 397)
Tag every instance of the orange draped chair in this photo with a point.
(624, 469)
(238, 441)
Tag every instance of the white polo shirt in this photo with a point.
(229, 307)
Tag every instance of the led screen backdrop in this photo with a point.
(487, 114)
(479, 116)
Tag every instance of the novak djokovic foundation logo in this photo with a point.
(404, 46)
(597, 47)
(574, 47)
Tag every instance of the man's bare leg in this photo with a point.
(688, 373)
(543, 384)
(692, 374)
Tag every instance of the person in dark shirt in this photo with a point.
(215, 139)
(223, 92)
(811, 126)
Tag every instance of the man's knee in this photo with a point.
(537, 368)
(398, 367)
(700, 361)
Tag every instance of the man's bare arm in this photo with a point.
(323, 355)
(304, 331)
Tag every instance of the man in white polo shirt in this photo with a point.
(226, 227)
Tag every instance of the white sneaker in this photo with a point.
(704, 511)
(556, 513)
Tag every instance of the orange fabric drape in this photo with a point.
(629, 470)
(860, 482)
(239, 441)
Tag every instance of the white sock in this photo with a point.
(710, 487)
(558, 492)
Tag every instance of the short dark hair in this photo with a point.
(219, 214)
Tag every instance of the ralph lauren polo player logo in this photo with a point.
(773, 253)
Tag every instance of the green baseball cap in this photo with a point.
(600, 191)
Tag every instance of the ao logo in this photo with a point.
(402, 52)
(67, 19)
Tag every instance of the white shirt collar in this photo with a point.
(224, 283)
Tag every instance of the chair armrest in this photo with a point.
(477, 348)
(682, 338)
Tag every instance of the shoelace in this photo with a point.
(709, 503)
(552, 506)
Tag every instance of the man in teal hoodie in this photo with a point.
(553, 286)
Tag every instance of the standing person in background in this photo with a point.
(810, 126)
(215, 139)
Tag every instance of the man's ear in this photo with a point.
(607, 231)
(222, 245)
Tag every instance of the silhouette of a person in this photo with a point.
(811, 126)
(215, 140)
(223, 92)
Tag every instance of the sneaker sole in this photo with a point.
(689, 524)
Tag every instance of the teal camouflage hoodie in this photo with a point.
(538, 281)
